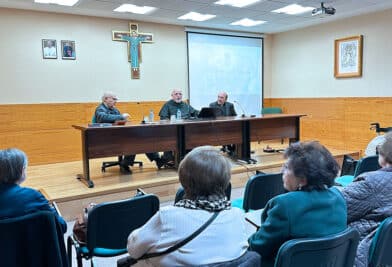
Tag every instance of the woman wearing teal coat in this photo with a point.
(311, 208)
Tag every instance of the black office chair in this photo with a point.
(109, 225)
(107, 164)
(336, 250)
(259, 189)
(380, 249)
(366, 164)
(32, 240)
(180, 193)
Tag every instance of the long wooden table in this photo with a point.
(101, 140)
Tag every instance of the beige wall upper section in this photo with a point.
(101, 64)
(303, 60)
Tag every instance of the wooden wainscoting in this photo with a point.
(341, 123)
(45, 133)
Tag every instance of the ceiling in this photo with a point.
(169, 10)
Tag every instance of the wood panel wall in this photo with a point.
(341, 123)
(45, 133)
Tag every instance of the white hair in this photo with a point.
(108, 94)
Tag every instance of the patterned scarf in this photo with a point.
(210, 203)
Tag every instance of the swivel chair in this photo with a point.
(107, 164)
(35, 239)
(271, 110)
(337, 250)
(380, 249)
(259, 189)
(109, 225)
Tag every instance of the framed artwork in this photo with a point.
(49, 48)
(68, 49)
(348, 57)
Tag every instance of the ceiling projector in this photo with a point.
(323, 11)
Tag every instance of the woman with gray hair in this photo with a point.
(16, 200)
(204, 173)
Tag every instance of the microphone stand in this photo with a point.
(242, 109)
(140, 110)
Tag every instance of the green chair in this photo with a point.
(271, 110)
(379, 252)
(366, 164)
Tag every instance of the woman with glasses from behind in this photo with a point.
(16, 200)
(311, 208)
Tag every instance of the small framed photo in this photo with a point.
(68, 49)
(49, 48)
(348, 57)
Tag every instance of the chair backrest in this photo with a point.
(180, 193)
(35, 239)
(367, 164)
(260, 188)
(271, 110)
(249, 259)
(380, 249)
(336, 250)
(109, 224)
(348, 165)
(93, 119)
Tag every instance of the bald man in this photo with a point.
(225, 108)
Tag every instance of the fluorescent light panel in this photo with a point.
(196, 16)
(247, 22)
(58, 2)
(135, 9)
(236, 3)
(293, 9)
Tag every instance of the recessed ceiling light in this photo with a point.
(135, 9)
(196, 16)
(58, 2)
(236, 3)
(293, 9)
(247, 22)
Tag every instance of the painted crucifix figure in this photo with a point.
(134, 39)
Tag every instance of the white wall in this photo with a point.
(101, 64)
(303, 60)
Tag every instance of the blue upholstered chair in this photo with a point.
(109, 225)
(336, 250)
(35, 239)
(259, 189)
(366, 164)
(380, 249)
(271, 110)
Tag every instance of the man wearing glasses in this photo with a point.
(106, 112)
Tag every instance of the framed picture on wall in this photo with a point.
(348, 57)
(68, 49)
(49, 48)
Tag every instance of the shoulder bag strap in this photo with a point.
(183, 242)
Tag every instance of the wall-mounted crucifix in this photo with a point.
(134, 39)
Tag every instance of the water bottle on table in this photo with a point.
(151, 116)
(178, 114)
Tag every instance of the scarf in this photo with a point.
(210, 203)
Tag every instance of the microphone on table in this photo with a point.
(140, 111)
(242, 109)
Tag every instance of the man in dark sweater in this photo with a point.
(106, 112)
(225, 108)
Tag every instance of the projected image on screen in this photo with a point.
(225, 63)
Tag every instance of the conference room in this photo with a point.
(327, 74)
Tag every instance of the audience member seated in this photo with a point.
(369, 201)
(171, 108)
(225, 108)
(106, 112)
(16, 200)
(310, 208)
(204, 173)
